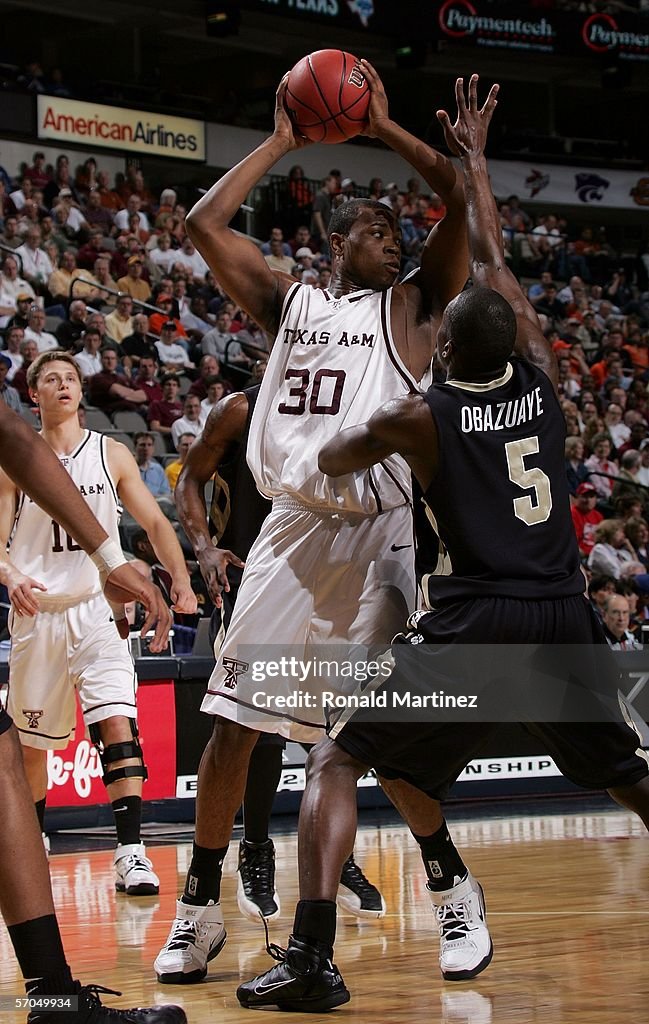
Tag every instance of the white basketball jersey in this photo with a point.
(41, 548)
(332, 365)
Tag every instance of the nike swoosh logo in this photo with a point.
(400, 547)
(260, 989)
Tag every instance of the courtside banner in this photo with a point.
(133, 131)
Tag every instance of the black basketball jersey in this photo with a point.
(499, 501)
(238, 509)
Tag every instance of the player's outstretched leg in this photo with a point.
(306, 978)
(458, 901)
(116, 739)
(28, 910)
(198, 934)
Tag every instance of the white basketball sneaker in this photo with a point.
(465, 946)
(197, 935)
(134, 872)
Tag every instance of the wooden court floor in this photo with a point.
(567, 901)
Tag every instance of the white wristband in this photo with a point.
(107, 557)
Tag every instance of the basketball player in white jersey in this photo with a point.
(334, 562)
(64, 635)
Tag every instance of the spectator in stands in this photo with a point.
(104, 281)
(627, 482)
(168, 198)
(163, 414)
(308, 274)
(119, 324)
(89, 253)
(88, 359)
(599, 588)
(69, 331)
(172, 356)
(35, 331)
(60, 281)
(138, 344)
(636, 532)
(151, 472)
(9, 395)
(133, 283)
(37, 266)
(276, 260)
(97, 216)
(615, 619)
(219, 342)
(252, 338)
(165, 302)
(191, 421)
(133, 205)
(20, 318)
(191, 259)
(19, 196)
(172, 469)
(576, 470)
(611, 550)
(66, 211)
(278, 234)
(585, 517)
(216, 390)
(162, 255)
(550, 306)
(37, 173)
(196, 322)
(302, 239)
(180, 297)
(643, 472)
(601, 468)
(10, 236)
(147, 379)
(208, 367)
(615, 427)
(299, 200)
(112, 392)
(87, 179)
(14, 338)
(109, 198)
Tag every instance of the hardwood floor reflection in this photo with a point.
(568, 907)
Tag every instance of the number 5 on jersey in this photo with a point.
(528, 511)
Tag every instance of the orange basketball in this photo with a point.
(327, 96)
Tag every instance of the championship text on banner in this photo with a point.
(133, 131)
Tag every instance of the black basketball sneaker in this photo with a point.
(305, 979)
(90, 1010)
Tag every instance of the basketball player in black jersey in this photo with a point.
(25, 891)
(487, 450)
(236, 514)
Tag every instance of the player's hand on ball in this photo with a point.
(126, 584)
(283, 124)
(469, 133)
(213, 564)
(183, 598)
(21, 593)
(378, 108)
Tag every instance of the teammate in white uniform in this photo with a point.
(64, 635)
(334, 560)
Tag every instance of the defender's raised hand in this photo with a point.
(469, 133)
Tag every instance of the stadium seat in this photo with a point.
(52, 322)
(98, 420)
(131, 422)
(159, 446)
(119, 435)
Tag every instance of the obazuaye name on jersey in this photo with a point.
(501, 415)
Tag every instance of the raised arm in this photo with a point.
(467, 139)
(224, 428)
(237, 263)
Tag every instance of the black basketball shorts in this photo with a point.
(430, 755)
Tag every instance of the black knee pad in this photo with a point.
(118, 752)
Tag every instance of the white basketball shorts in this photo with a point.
(313, 582)
(62, 651)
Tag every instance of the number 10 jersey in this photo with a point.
(333, 364)
(40, 548)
